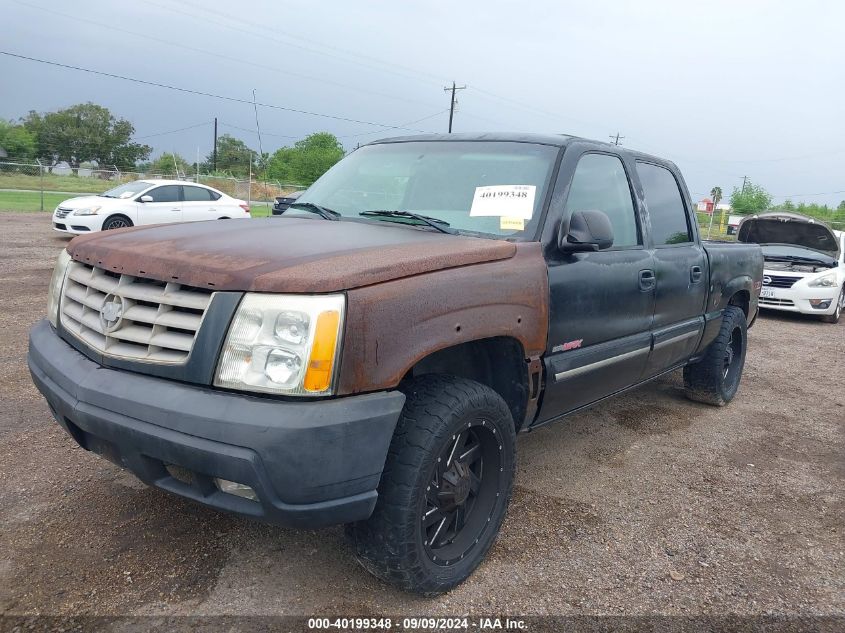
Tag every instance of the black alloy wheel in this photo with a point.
(461, 494)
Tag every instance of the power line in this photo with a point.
(205, 94)
(212, 53)
(310, 40)
(798, 195)
(181, 129)
(425, 118)
(346, 57)
(264, 132)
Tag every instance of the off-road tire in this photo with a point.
(116, 222)
(392, 543)
(840, 301)
(715, 378)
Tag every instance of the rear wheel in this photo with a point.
(116, 222)
(715, 378)
(445, 487)
(840, 306)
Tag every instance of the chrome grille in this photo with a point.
(61, 212)
(779, 281)
(146, 320)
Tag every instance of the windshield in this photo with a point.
(494, 188)
(128, 190)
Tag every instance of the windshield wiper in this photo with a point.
(323, 212)
(436, 223)
(794, 259)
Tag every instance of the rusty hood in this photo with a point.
(282, 254)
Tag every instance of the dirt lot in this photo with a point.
(647, 504)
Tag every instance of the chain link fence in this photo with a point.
(48, 181)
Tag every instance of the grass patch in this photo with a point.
(74, 184)
(260, 209)
(29, 201)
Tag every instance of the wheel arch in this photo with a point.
(118, 214)
(496, 362)
(742, 299)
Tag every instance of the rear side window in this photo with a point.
(600, 184)
(166, 193)
(197, 194)
(669, 222)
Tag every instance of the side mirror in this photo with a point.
(145, 199)
(588, 231)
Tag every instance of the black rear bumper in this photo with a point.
(310, 463)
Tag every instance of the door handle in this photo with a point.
(647, 280)
(176, 209)
(695, 274)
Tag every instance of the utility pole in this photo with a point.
(453, 102)
(214, 154)
(744, 182)
(615, 138)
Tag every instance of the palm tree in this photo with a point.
(716, 196)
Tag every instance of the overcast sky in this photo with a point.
(725, 89)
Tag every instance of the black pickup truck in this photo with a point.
(369, 356)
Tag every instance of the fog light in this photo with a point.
(234, 488)
(820, 304)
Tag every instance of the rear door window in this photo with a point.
(669, 219)
(197, 194)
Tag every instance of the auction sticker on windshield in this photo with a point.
(513, 201)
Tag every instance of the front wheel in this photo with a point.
(837, 313)
(445, 487)
(116, 222)
(715, 378)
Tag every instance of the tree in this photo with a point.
(750, 199)
(233, 156)
(16, 141)
(169, 163)
(307, 160)
(716, 196)
(82, 133)
(841, 206)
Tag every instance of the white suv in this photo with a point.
(804, 263)
(146, 202)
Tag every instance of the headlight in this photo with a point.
(283, 344)
(87, 211)
(825, 281)
(55, 289)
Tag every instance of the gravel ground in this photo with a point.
(646, 504)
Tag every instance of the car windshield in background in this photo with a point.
(494, 188)
(128, 190)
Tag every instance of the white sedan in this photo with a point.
(146, 202)
(804, 263)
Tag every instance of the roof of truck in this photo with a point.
(557, 140)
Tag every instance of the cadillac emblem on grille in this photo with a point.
(111, 313)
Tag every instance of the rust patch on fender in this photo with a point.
(391, 326)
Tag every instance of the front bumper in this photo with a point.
(310, 463)
(77, 225)
(797, 299)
